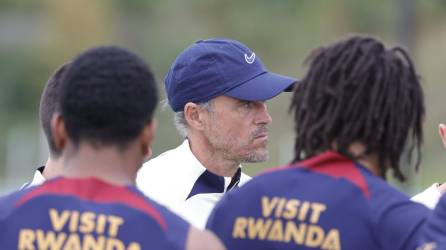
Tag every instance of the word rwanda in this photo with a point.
(288, 220)
(106, 228)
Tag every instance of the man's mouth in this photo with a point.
(261, 135)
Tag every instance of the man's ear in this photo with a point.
(194, 115)
(442, 132)
(59, 132)
(147, 137)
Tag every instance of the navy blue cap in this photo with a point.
(214, 67)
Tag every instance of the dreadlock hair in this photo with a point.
(356, 90)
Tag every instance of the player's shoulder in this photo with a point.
(434, 231)
(292, 180)
(250, 188)
(274, 175)
(175, 227)
(10, 201)
(384, 194)
(158, 207)
(145, 198)
(386, 200)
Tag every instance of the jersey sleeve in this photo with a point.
(211, 222)
(177, 229)
(399, 226)
(7, 202)
(434, 232)
(428, 197)
(7, 206)
(220, 221)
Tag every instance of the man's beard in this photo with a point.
(231, 148)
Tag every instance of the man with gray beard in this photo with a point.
(218, 89)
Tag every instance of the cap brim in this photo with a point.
(262, 87)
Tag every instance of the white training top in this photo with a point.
(177, 180)
(428, 197)
(37, 179)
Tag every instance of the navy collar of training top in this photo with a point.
(209, 182)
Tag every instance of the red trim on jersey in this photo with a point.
(92, 189)
(332, 164)
(336, 165)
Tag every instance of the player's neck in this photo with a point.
(369, 161)
(53, 167)
(212, 160)
(108, 164)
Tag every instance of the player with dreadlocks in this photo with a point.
(359, 92)
(356, 110)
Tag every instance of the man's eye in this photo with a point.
(248, 104)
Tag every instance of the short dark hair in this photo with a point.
(48, 106)
(356, 90)
(108, 95)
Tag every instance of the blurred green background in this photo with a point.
(37, 36)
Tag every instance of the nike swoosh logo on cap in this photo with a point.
(250, 59)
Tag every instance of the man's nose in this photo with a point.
(263, 116)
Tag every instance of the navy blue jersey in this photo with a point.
(325, 202)
(434, 233)
(88, 213)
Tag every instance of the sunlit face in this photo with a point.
(237, 129)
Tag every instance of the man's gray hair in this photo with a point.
(180, 120)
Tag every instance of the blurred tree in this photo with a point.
(76, 26)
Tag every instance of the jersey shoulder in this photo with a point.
(80, 206)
